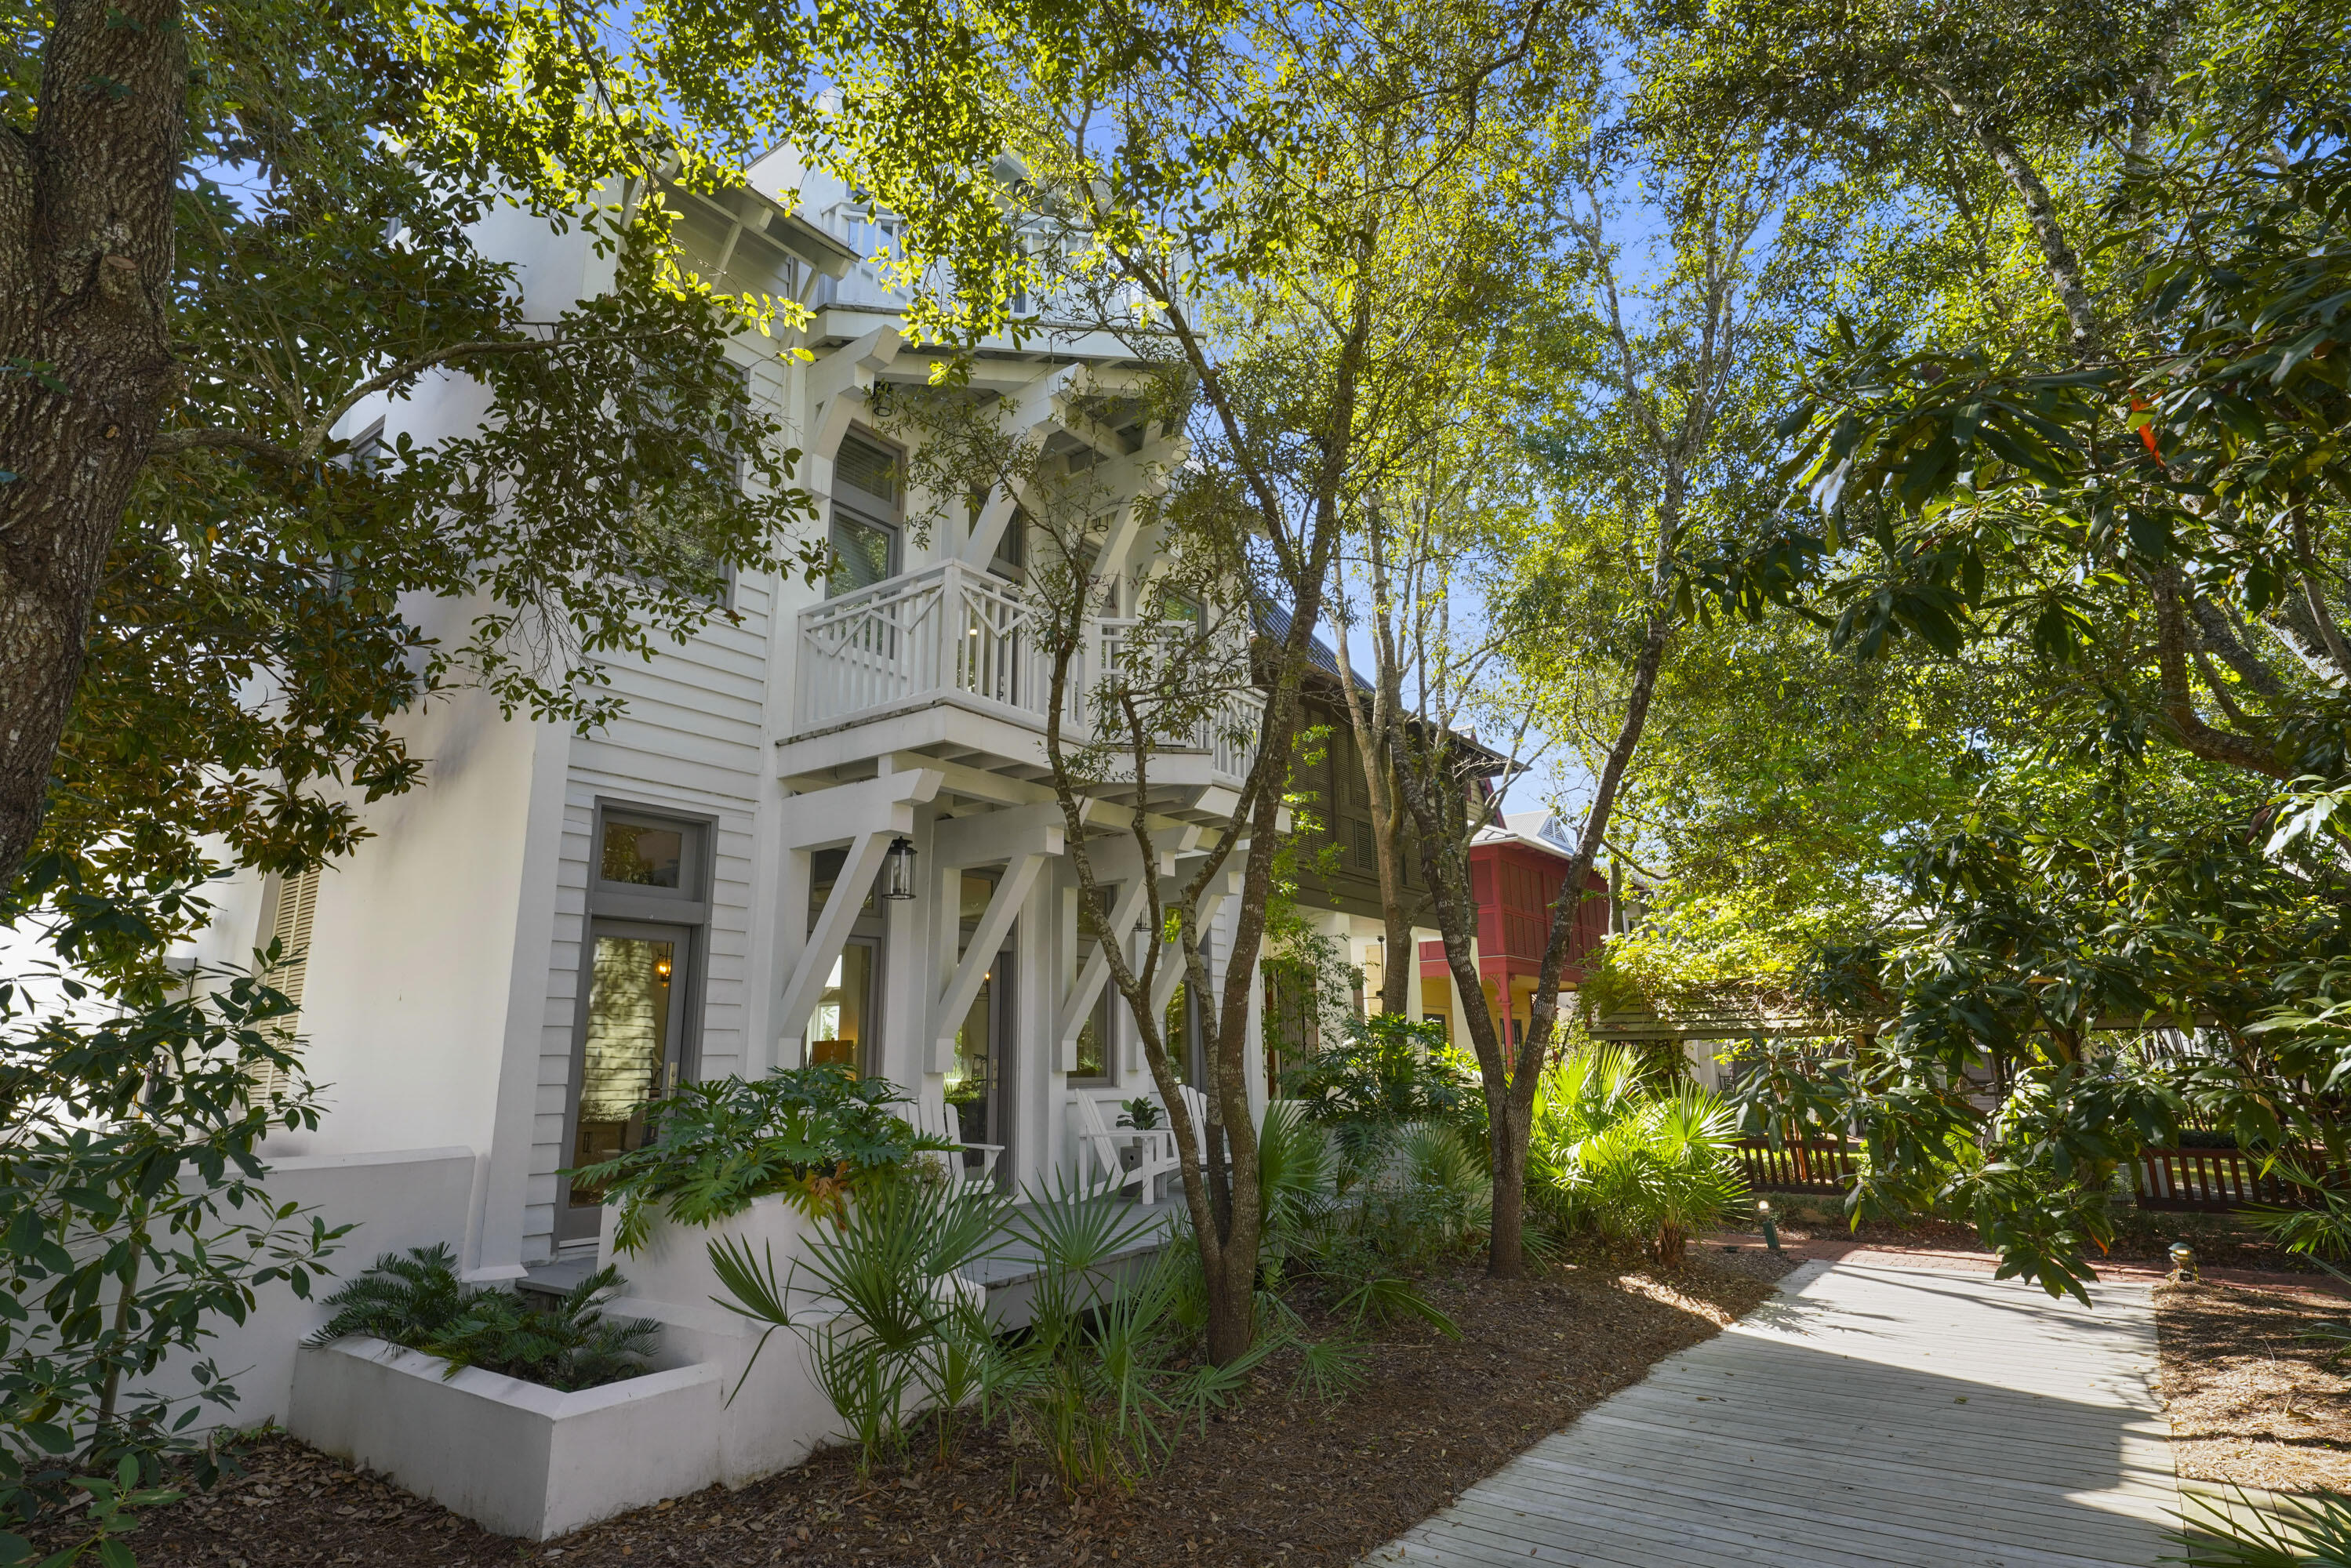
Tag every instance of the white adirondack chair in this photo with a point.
(1102, 1168)
(930, 1116)
(1196, 1104)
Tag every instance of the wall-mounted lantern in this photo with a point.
(898, 870)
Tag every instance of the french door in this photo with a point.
(980, 1084)
(629, 1050)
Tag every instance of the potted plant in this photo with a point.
(1143, 1114)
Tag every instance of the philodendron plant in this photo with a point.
(814, 1133)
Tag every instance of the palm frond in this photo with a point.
(2301, 1531)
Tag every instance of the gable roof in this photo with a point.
(1274, 623)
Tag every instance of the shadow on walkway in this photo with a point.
(1868, 1415)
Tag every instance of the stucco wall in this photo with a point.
(395, 1200)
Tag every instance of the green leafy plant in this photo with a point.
(1142, 1112)
(419, 1301)
(110, 1516)
(814, 1133)
(133, 1215)
(1104, 1374)
(2321, 1232)
(884, 1313)
(2311, 1530)
(1639, 1161)
(1387, 1071)
(1345, 1235)
(1110, 1372)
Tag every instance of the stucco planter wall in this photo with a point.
(779, 1414)
(674, 1265)
(527, 1460)
(514, 1457)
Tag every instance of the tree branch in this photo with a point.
(2324, 620)
(2039, 208)
(2199, 738)
(171, 442)
(2214, 632)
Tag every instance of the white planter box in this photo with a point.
(527, 1460)
(514, 1457)
(780, 1414)
(672, 1268)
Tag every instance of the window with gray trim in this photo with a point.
(868, 507)
(642, 964)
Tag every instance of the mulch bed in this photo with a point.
(2252, 1401)
(1281, 1478)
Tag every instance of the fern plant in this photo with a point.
(419, 1303)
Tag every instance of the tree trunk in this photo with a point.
(1506, 1256)
(1402, 956)
(1374, 730)
(1232, 1314)
(1440, 811)
(85, 364)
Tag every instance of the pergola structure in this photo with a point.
(1757, 1018)
(1722, 1018)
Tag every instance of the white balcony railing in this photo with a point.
(956, 633)
(950, 630)
(1228, 730)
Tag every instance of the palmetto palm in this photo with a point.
(1632, 1158)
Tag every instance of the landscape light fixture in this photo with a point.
(1771, 1225)
(2183, 1260)
(898, 870)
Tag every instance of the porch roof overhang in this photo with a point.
(987, 748)
(749, 216)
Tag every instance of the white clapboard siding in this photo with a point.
(690, 742)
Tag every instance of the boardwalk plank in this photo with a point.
(1869, 1416)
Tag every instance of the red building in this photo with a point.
(1516, 871)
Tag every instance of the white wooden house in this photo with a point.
(557, 924)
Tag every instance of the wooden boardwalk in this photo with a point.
(1868, 1415)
